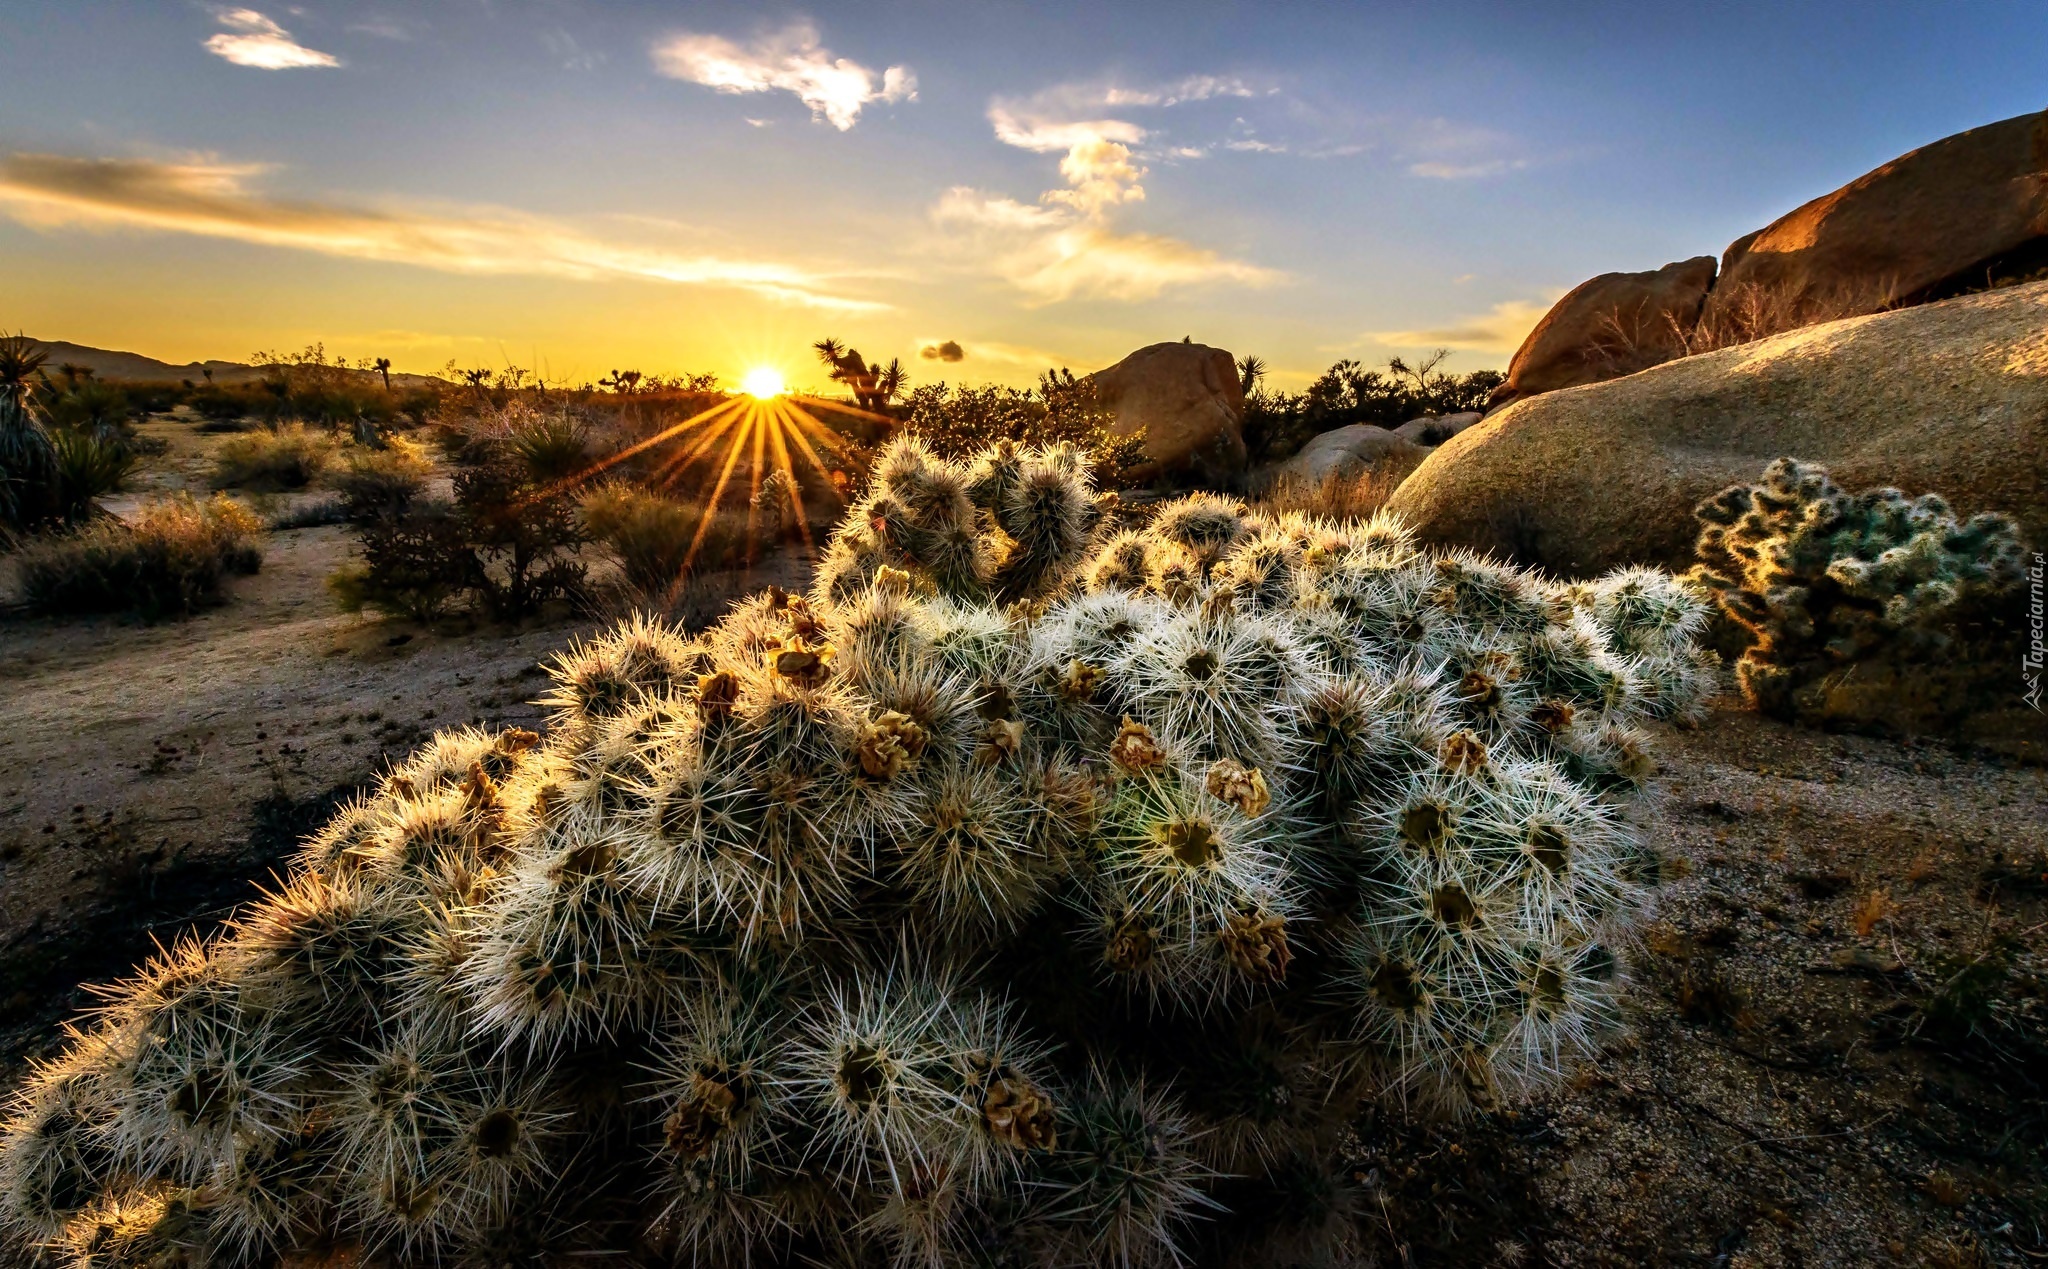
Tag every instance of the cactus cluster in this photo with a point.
(1037, 887)
(1839, 591)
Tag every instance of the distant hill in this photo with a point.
(134, 367)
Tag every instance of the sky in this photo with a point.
(980, 190)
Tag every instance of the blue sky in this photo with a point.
(679, 186)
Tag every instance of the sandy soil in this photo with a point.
(1837, 1050)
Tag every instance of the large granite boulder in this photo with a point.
(1946, 217)
(1950, 397)
(1615, 324)
(1185, 402)
(1346, 452)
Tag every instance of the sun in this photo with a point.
(763, 382)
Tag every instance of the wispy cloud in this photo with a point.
(790, 60)
(1499, 330)
(251, 39)
(1065, 246)
(215, 200)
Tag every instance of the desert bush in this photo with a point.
(169, 561)
(312, 513)
(287, 457)
(660, 541)
(1063, 410)
(1871, 607)
(381, 482)
(932, 932)
(506, 545)
(85, 468)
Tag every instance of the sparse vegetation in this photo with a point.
(1062, 410)
(1277, 424)
(169, 560)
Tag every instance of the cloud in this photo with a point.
(1055, 254)
(214, 200)
(1065, 246)
(1193, 88)
(948, 351)
(791, 60)
(1440, 171)
(1500, 330)
(252, 39)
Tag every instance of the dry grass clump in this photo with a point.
(1338, 496)
(168, 561)
(659, 541)
(381, 482)
(285, 458)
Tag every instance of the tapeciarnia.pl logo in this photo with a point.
(2037, 628)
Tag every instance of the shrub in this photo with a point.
(936, 932)
(1277, 424)
(86, 468)
(288, 457)
(1357, 496)
(168, 561)
(1063, 410)
(381, 483)
(660, 541)
(505, 543)
(1872, 607)
(27, 459)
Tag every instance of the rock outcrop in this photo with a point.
(1346, 452)
(1948, 215)
(1961, 214)
(1430, 430)
(1615, 324)
(1950, 397)
(1184, 401)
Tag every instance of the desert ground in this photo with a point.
(1834, 1055)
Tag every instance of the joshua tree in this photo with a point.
(1250, 369)
(383, 367)
(623, 382)
(478, 380)
(872, 386)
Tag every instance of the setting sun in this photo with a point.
(762, 382)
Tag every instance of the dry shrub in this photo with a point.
(1339, 496)
(286, 458)
(656, 538)
(168, 561)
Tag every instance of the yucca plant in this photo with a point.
(1012, 896)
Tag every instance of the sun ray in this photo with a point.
(840, 407)
(769, 422)
(796, 496)
(732, 457)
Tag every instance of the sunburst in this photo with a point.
(773, 426)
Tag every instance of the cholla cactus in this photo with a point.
(1833, 586)
(1001, 897)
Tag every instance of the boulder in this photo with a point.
(1945, 217)
(1435, 431)
(1185, 402)
(1345, 452)
(1950, 397)
(1615, 324)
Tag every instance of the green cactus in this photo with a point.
(1022, 893)
(1839, 591)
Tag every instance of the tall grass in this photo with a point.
(170, 560)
